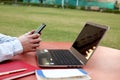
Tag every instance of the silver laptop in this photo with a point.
(80, 52)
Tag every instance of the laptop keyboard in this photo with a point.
(63, 57)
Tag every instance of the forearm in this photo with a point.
(9, 49)
(5, 38)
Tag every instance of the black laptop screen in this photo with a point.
(88, 39)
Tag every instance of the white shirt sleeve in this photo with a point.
(9, 46)
(5, 38)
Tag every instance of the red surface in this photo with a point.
(103, 65)
(15, 65)
(55, 45)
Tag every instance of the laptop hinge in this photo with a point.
(78, 59)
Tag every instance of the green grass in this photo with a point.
(62, 24)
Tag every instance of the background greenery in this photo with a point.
(62, 24)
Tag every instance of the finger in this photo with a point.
(31, 32)
(35, 45)
(36, 41)
(34, 36)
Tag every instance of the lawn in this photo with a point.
(62, 24)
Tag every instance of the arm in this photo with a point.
(23, 44)
(9, 49)
(5, 38)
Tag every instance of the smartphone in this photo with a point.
(40, 28)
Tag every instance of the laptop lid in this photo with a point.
(87, 41)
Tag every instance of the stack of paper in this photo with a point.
(62, 74)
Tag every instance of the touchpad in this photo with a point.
(44, 57)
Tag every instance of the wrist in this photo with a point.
(17, 47)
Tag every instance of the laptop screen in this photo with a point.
(88, 39)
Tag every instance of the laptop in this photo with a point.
(79, 53)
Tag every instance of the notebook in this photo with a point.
(62, 74)
(10, 69)
(79, 53)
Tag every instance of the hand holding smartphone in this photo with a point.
(40, 28)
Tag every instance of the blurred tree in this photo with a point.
(41, 1)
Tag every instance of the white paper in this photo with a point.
(62, 73)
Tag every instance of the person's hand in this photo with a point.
(30, 41)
